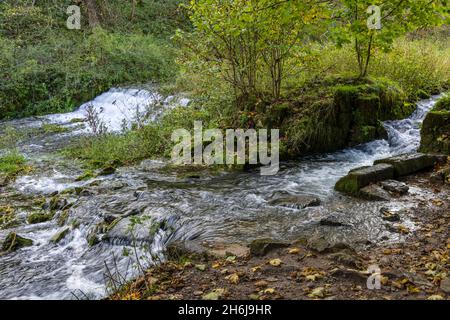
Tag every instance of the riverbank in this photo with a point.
(415, 268)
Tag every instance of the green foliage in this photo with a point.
(150, 141)
(249, 42)
(443, 103)
(12, 163)
(396, 17)
(46, 68)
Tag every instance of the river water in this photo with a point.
(230, 207)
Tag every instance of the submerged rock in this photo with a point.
(362, 177)
(407, 164)
(332, 221)
(35, 218)
(295, 201)
(14, 242)
(60, 235)
(395, 186)
(390, 216)
(375, 193)
(107, 171)
(261, 247)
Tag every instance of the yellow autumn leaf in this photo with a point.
(275, 262)
(255, 269)
(269, 291)
(294, 251)
(435, 297)
(233, 278)
(317, 293)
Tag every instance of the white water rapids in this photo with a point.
(230, 208)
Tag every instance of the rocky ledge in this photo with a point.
(361, 181)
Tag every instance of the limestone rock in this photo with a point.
(362, 177)
(395, 186)
(407, 164)
(261, 247)
(375, 193)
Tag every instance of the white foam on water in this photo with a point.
(46, 184)
(119, 108)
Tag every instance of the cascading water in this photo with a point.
(231, 207)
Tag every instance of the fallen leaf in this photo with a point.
(269, 291)
(412, 289)
(215, 294)
(435, 297)
(253, 296)
(200, 267)
(255, 269)
(261, 283)
(231, 259)
(275, 262)
(317, 293)
(294, 251)
(216, 266)
(233, 278)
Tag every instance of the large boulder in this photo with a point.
(409, 163)
(295, 201)
(362, 177)
(436, 128)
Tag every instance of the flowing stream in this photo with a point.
(230, 207)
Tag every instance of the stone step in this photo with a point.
(362, 177)
(407, 164)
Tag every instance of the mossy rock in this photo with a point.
(436, 128)
(62, 218)
(56, 203)
(35, 218)
(87, 175)
(261, 247)
(14, 242)
(60, 235)
(362, 177)
(107, 171)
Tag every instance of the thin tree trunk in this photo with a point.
(92, 11)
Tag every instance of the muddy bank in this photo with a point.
(415, 268)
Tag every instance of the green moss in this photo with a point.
(35, 218)
(348, 185)
(435, 130)
(14, 242)
(87, 175)
(62, 218)
(13, 164)
(443, 104)
(60, 235)
(7, 217)
(49, 128)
